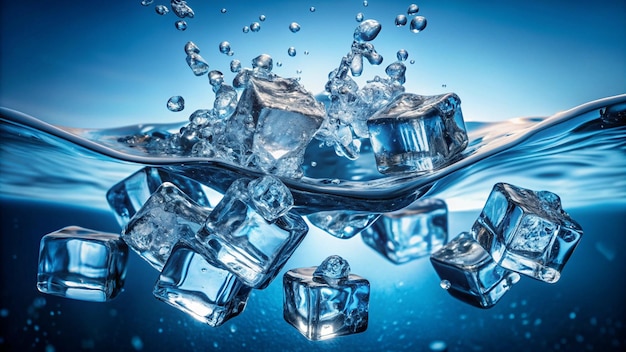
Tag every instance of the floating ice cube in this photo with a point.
(129, 195)
(409, 233)
(417, 133)
(342, 223)
(82, 264)
(469, 273)
(323, 307)
(238, 237)
(165, 218)
(200, 287)
(527, 231)
(276, 119)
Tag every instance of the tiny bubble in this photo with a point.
(294, 27)
(312, 9)
(223, 10)
(365, 3)
(161, 10)
(291, 51)
(572, 315)
(180, 25)
(279, 64)
(445, 284)
(136, 342)
(359, 17)
(262, 18)
(203, 270)
(412, 62)
(146, 2)
(313, 163)
(306, 52)
(245, 29)
(444, 85)
(255, 26)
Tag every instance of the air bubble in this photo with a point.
(365, 3)
(235, 66)
(445, 284)
(223, 10)
(359, 17)
(412, 10)
(418, 24)
(224, 47)
(255, 26)
(146, 2)
(176, 103)
(402, 55)
(262, 18)
(291, 51)
(306, 52)
(312, 9)
(161, 10)
(245, 29)
(412, 62)
(401, 20)
(367, 31)
(294, 27)
(180, 25)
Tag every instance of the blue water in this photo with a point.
(53, 177)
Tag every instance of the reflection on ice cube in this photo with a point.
(200, 287)
(417, 133)
(82, 264)
(342, 223)
(322, 307)
(409, 233)
(166, 217)
(527, 231)
(128, 196)
(238, 237)
(469, 273)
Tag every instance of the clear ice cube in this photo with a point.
(469, 273)
(82, 264)
(166, 217)
(275, 120)
(527, 231)
(415, 133)
(238, 237)
(321, 308)
(270, 197)
(342, 223)
(410, 233)
(200, 287)
(129, 195)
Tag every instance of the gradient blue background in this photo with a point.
(102, 64)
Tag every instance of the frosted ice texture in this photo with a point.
(321, 308)
(200, 287)
(342, 223)
(527, 231)
(241, 240)
(275, 120)
(470, 274)
(415, 133)
(166, 217)
(129, 195)
(82, 264)
(409, 233)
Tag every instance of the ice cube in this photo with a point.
(342, 223)
(527, 231)
(415, 133)
(166, 217)
(409, 233)
(270, 197)
(322, 304)
(200, 287)
(469, 273)
(244, 242)
(275, 120)
(83, 264)
(129, 195)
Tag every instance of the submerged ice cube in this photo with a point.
(342, 223)
(417, 133)
(409, 233)
(129, 195)
(527, 231)
(200, 287)
(469, 273)
(275, 120)
(326, 301)
(166, 217)
(82, 264)
(244, 242)
(270, 197)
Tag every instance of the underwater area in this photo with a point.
(544, 108)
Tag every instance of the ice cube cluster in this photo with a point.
(519, 231)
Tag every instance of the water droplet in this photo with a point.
(312, 9)
(444, 85)
(402, 55)
(279, 64)
(365, 3)
(216, 78)
(412, 62)
(263, 61)
(235, 66)
(401, 20)
(231, 53)
(204, 270)
(291, 51)
(313, 163)
(367, 31)
(224, 47)
(262, 18)
(359, 17)
(413, 9)
(298, 72)
(146, 2)
(438, 346)
(180, 25)
(294, 27)
(223, 10)
(191, 48)
(306, 52)
(418, 23)
(445, 284)
(245, 29)
(255, 26)
(161, 10)
(176, 103)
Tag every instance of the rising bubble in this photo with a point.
(445, 284)
(161, 9)
(291, 51)
(294, 27)
(279, 64)
(245, 29)
(359, 17)
(418, 23)
(412, 62)
(176, 103)
(312, 9)
(181, 25)
(401, 20)
(402, 55)
(263, 61)
(191, 48)
(216, 78)
(367, 31)
(413, 9)
(224, 47)
(255, 26)
(262, 18)
(223, 10)
(365, 3)
(306, 52)
(146, 2)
